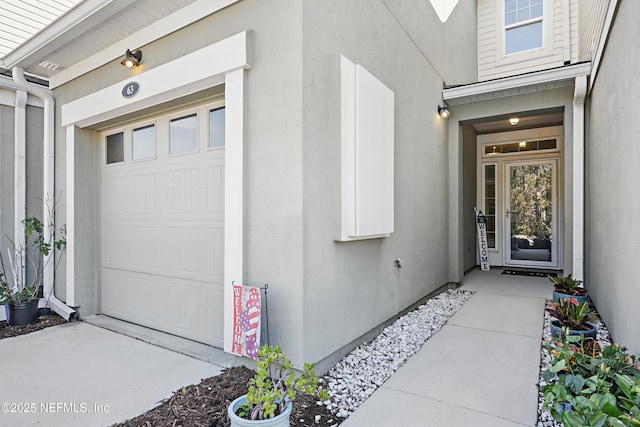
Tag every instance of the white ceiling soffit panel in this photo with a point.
(89, 27)
(21, 19)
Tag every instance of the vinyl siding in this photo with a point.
(491, 63)
(591, 15)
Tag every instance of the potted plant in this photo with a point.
(269, 399)
(568, 287)
(572, 315)
(583, 387)
(17, 291)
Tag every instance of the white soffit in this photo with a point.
(21, 19)
(188, 12)
(444, 8)
(516, 85)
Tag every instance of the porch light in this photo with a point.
(514, 121)
(443, 111)
(132, 59)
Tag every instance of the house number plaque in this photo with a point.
(130, 89)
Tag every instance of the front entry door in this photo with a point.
(531, 216)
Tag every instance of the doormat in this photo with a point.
(532, 273)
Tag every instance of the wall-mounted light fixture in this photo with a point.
(514, 121)
(132, 59)
(443, 111)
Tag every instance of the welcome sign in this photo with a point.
(481, 220)
(246, 321)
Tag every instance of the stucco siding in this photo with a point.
(6, 176)
(351, 287)
(613, 200)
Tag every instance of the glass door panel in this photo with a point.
(530, 213)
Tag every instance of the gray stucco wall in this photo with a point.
(351, 287)
(613, 199)
(469, 190)
(34, 197)
(6, 176)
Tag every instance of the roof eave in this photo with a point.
(507, 86)
(64, 29)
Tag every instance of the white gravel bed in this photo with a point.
(352, 380)
(604, 339)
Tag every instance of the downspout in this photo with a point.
(20, 168)
(48, 187)
(578, 176)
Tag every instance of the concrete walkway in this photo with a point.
(83, 375)
(480, 369)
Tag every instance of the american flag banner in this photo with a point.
(247, 306)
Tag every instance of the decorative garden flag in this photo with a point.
(246, 321)
(482, 241)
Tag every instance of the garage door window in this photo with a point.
(184, 134)
(216, 128)
(144, 143)
(115, 148)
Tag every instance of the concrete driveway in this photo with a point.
(79, 374)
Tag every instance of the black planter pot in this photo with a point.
(557, 332)
(23, 313)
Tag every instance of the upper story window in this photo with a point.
(523, 25)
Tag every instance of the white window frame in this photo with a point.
(502, 58)
(200, 123)
(128, 136)
(161, 122)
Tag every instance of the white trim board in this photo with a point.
(177, 20)
(540, 80)
(223, 62)
(183, 76)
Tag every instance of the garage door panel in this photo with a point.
(215, 301)
(144, 189)
(183, 186)
(215, 251)
(131, 245)
(184, 310)
(187, 249)
(162, 243)
(139, 290)
(115, 198)
(215, 189)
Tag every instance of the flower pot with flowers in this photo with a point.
(568, 287)
(272, 390)
(573, 315)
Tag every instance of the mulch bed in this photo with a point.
(205, 405)
(8, 331)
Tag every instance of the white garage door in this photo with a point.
(162, 223)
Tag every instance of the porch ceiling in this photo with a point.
(502, 124)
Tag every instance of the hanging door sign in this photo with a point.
(481, 221)
(246, 321)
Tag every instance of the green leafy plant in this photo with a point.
(590, 388)
(570, 313)
(40, 240)
(276, 383)
(567, 285)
